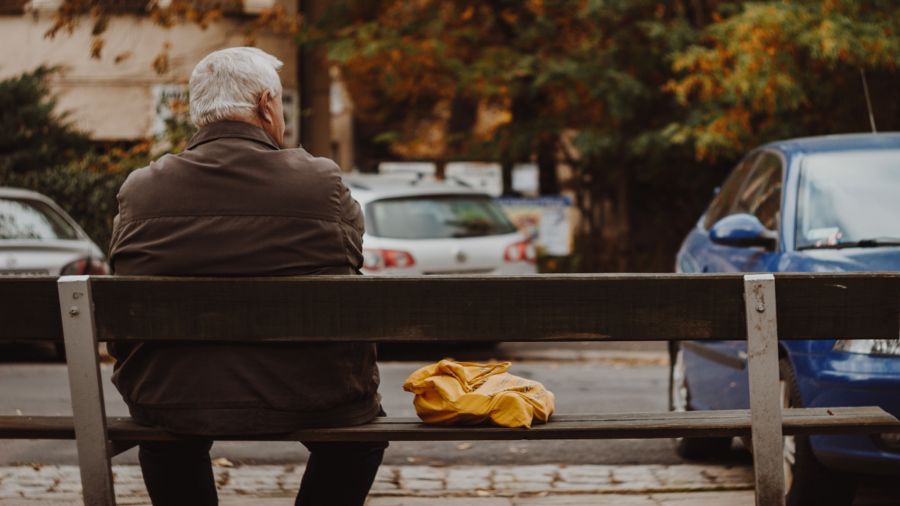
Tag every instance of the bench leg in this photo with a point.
(88, 410)
(765, 398)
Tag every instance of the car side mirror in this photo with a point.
(743, 231)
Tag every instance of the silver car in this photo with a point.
(38, 238)
(415, 226)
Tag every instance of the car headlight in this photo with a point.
(882, 347)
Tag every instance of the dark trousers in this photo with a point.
(180, 473)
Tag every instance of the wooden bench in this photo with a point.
(467, 309)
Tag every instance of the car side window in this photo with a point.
(721, 204)
(761, 194)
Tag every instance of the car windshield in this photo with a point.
(32, 220)
(437, 217)
(849, 199)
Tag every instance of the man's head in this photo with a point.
(238, 84)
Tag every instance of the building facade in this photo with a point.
(121, 96)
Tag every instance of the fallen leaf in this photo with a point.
(222, 462)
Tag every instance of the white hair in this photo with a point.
(227, 84)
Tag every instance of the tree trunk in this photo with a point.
(623, 228)
(604, 241)
(548, 180)
(506, 170)
(589, 204)
(518, 150)
(463, 115)
(315, 89)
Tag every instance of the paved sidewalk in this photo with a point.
(532, 485)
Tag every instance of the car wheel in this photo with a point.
(806, 481)
(680, 400)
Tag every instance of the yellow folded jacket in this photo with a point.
(467, 393)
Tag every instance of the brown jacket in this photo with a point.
(234, 204)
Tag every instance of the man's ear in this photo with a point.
(263, 109)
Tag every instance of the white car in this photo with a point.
(414, 226)
(37, 238)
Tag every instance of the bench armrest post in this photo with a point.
(88, 410)
(765, 390)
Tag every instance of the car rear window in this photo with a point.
(32, 220)
(437, 217)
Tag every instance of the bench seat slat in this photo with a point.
(851, 420)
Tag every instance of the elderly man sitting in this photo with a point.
(236, 204)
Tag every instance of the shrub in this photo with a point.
(32, 136)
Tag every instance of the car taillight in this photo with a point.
(522, 251)
(377, 259)
(85, 266)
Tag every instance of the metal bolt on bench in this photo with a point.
(86, 310)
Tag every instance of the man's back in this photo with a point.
(233, 204)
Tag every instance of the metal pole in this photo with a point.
(88, 410)
(765, 391)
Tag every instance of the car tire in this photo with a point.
(680, 400)
(807, 481)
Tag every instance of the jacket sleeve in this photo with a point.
(114, 242)
(352, 227)
(119, 239)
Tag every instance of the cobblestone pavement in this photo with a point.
(423, 485)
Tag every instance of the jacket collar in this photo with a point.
(231, 129)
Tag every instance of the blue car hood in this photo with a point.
(879, 259)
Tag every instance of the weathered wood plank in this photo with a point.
(546, 308)
(850, 305)
(29, 309)
(853, 420)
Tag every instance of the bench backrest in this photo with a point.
(592, 307)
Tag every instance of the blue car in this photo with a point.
(818, 204)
